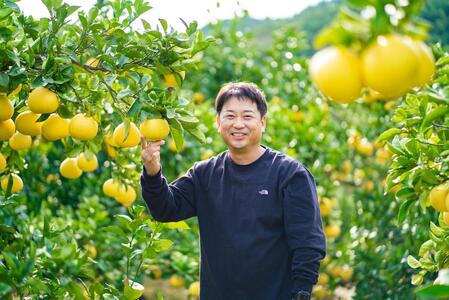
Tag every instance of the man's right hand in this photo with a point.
(151, 155)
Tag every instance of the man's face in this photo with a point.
(240, 124)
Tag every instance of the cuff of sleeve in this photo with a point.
(302, 285)
(154, 180)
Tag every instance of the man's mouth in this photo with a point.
(238, 134)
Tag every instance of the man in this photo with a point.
(260, 227)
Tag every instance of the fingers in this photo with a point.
(143, 142)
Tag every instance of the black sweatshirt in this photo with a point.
(260, 227)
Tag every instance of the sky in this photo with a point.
(203, 11)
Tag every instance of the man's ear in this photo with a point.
(263, 120)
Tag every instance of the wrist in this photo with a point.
(152, 170)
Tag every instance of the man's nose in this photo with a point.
(238, 122)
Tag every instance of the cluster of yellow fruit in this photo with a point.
(439, 199)
(337, 272)
(123, 194)
(81, 127)
(390, 66)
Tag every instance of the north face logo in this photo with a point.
(263, 192)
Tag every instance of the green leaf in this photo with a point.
(135, 107)
(386, 135)
(413, 262)
(437, 231)
(133, 291)
(433, 115)
(433, 291)
(162, 245)
(404, 209)
(417, 279)
(181, 225)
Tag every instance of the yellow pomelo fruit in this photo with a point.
(170, 79)
(426, 63)
(83, 128)
(336, 73)
(7, 129)
(332, 231)
(323, 279)
(364, 147)
(110, 140)
(389, 65)
(155, 129)
(194, 289)
(43, 101)
(126, 195)
(6, 108)
(320, 292)
(206, 154)
(19, 141)
(131, 140)
(2, 163)
(198, 97)
(69, 168)
(176, 281)
(110, 187)
(87, 164)
(346, 273)
(26, 123)
(111, 151)
(325, 207)
(91, 250)
(438, 197)
(55, 128)
(17, 183)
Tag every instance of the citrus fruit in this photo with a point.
(69, 168)
(26, 123)
(155, 129)
(43, 101)
(55, 128)
(82, 127)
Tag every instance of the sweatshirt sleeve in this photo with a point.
(169, 202)
(304, 229)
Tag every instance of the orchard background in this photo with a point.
(371, 125)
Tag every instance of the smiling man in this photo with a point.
(261, 232)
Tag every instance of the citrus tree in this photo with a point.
(72, 89)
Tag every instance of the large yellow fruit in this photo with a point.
(426, 63)
(110, 187)
(2, 163)
(336, 72)
(43, 101)
(194, 289)
(26, 123)
(346, 273)
(332, 231)
(19, 141)
(155, 129)
(131, 140)
(126, 195)
(323, 279)
(7, 129)
(389, 65)
(438, 197)
(176, 281)
(55, 128)
(170, 79)
(6, 108)
(82, 127)
(198, 97)
(69, 168)
(87, 164)
(17, 183)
